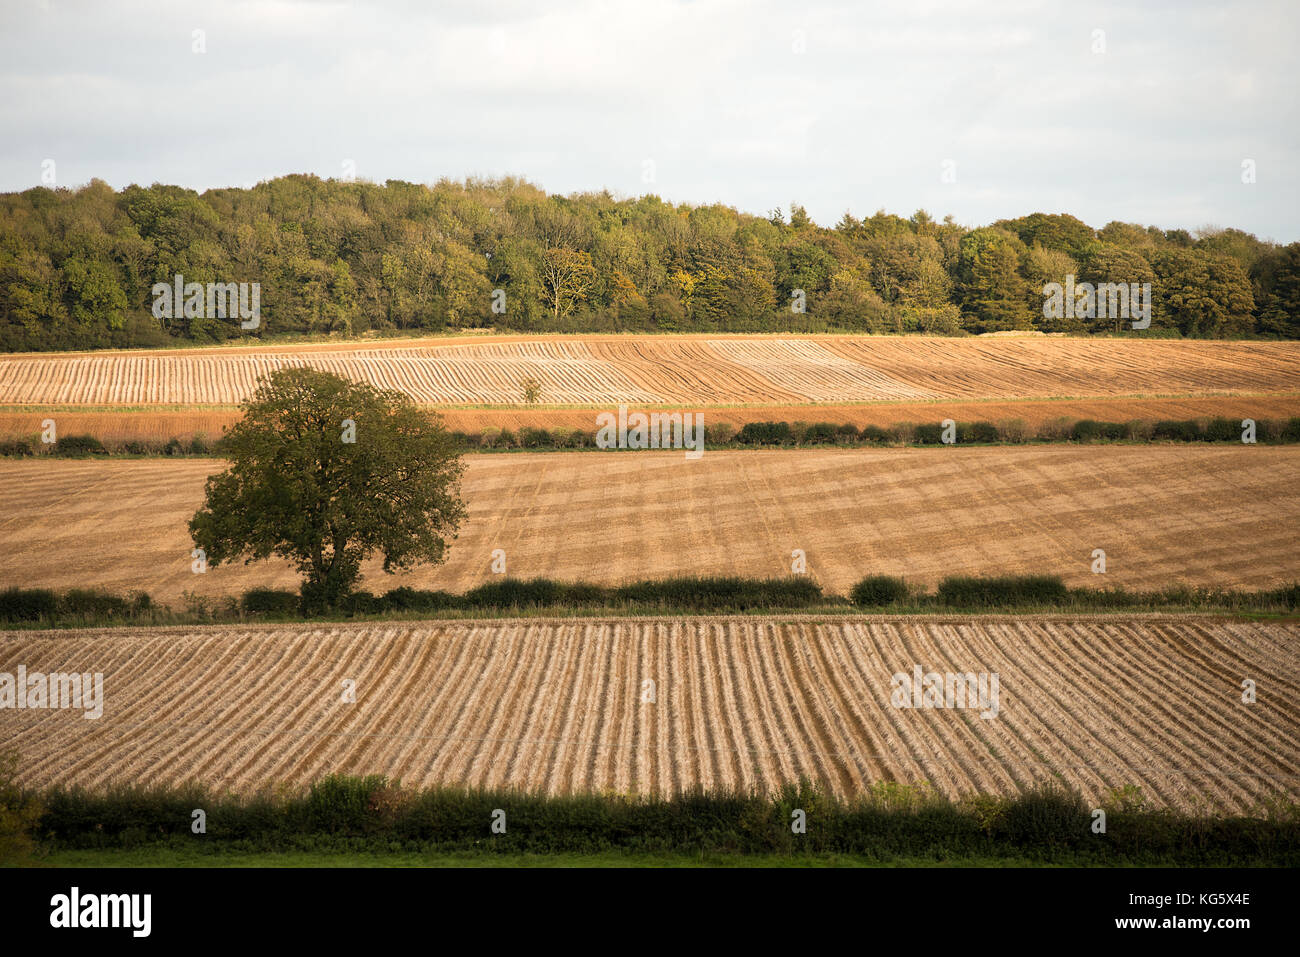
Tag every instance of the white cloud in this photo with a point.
(575, 95)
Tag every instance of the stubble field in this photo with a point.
(563, 706)
(753, 370)
(1221, 516)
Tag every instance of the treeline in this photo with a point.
(759, 435)
(1024, 593)
(695, 595)
(721, 594)
(77, 268)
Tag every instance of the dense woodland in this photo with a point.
(345, 258)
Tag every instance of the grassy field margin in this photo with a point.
(343, 815)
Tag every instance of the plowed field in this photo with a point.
(561, 706)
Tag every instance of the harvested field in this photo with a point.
(488, 373)
(602, 371)
(558, 706)
(185, 424)
(1204, 515)
(1034, 368)
(819, 374)
(690, 371)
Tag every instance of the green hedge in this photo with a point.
(824, 433)
(721, 595)
(1175, 431)
(28, 604)
(778, 434)
(928, 434)
(876, 591)
(983, 432)
(1010, 593)
(505, 594)
(270, 601)
(1090, 430)
(968, 592)
(765, 433)
(411, 599)
(79, 446)
(87, 603)
(1047, 822)
(42, 604)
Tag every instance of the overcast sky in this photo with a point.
(848, 106)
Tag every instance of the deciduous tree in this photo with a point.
(325, 472)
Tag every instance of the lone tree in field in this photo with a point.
(324, 472)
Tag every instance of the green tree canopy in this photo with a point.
(1277, 278)
(1202, 293)
(349, 258)
(994, 292)
(325, 472)
(1113, 264)
(1061, 232)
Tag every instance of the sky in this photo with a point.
(1142, 112)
